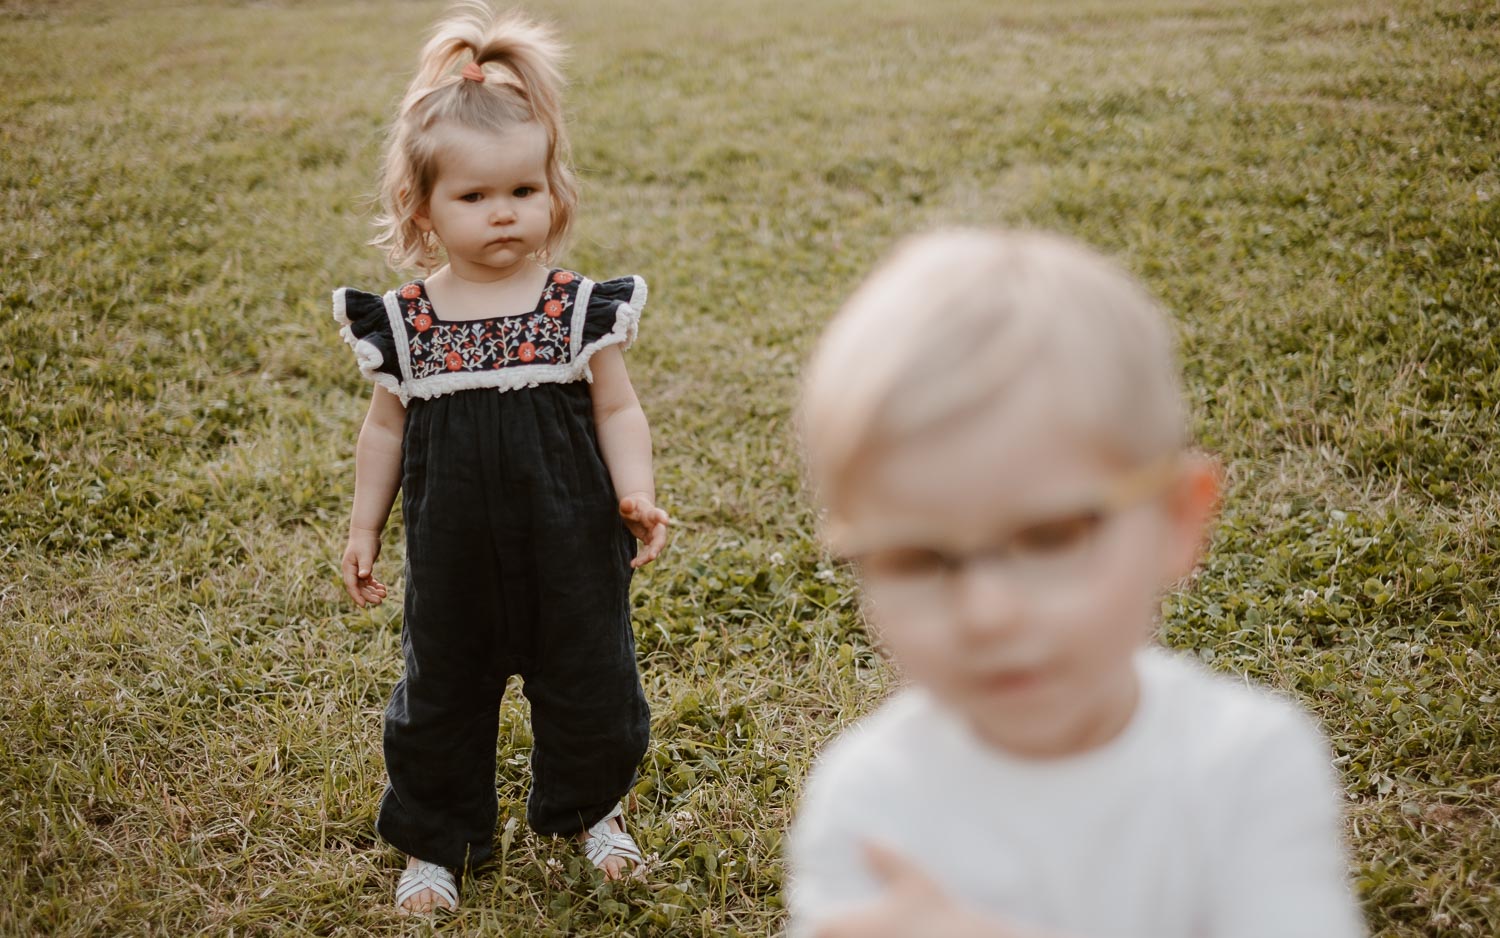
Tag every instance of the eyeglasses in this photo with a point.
(1044, 553)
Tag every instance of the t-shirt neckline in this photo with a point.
(1134, 728)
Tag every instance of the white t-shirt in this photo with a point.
(1214, 814)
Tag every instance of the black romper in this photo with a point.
(517, 562)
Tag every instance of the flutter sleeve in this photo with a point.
(611, 316)
(366, 326)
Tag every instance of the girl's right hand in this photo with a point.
(359, 568)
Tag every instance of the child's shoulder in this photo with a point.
(884, 746)
(352, 302)
(1221, 722)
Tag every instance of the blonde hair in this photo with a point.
(953, 323)
(527, 87)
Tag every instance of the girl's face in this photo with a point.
(1013, 572)
(490, 206)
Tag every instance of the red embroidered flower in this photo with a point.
(562, 276)
(553, 308)
(423, 322)
(454, 361)
(411, 291)
(528, 351)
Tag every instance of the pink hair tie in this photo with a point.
(473, 72)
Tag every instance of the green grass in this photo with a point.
(191, 739)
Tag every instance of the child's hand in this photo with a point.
(359, 568)
(912, 906)
(649, 525)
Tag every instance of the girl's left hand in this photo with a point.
(649, 525)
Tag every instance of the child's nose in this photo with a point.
(503, 211)
(987, 602)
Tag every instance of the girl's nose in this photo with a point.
(502, 212)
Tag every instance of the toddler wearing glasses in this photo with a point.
(995, 429)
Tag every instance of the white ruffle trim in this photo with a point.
(504, 379)
(627, 326)
(365, 352)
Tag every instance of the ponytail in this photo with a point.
(527, 88)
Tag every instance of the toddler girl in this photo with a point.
(503, 412)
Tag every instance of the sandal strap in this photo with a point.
(424, 875)
(603, 841)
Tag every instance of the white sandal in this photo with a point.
(423, 875)
(603, 842)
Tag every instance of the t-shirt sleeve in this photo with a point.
(612, 315)
(366, 326)
(1283, 869)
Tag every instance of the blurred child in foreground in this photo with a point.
(995, 429)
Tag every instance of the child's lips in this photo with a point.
(1008, 681)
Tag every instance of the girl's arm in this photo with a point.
(625, 440)
(377, 476)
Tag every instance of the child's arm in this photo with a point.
(911, 905)
(625, 440)
(377, 476)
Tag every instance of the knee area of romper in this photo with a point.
(618, 751)
(634, 732)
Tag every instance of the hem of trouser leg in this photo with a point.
(588, 819)
(413, 848)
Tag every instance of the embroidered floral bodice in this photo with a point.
(402, 344)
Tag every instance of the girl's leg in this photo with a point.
(590, 732)
(440, 803)
(590, 722)
(443, 717)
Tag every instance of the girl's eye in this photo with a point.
(471, 197)
(1055, 537)
(523, 192)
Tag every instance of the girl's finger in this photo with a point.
(645, 556)
(651, 546)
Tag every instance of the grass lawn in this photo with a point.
(190, 742)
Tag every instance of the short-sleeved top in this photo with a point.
(1214, 813)
(401, 343)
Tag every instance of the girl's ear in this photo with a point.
(419, 214)
(1192, 504)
